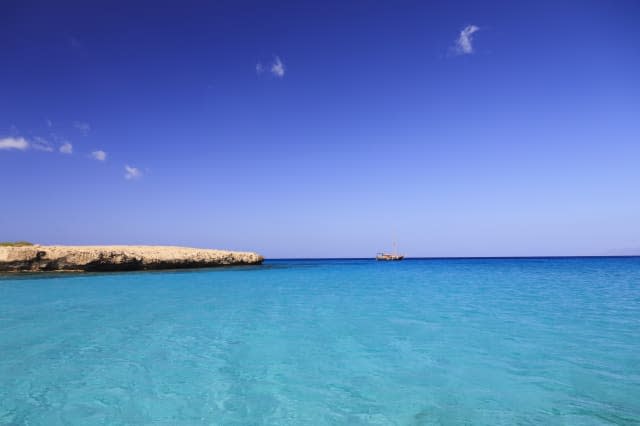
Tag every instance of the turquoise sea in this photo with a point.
(549, 341)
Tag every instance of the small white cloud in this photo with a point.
(131, 172)
(66, 148)
(49, 123)
(83, 128)
(42, 144)
(464, 44)
(277, 67)
(99, 155)
(14, 143)
(259, 68)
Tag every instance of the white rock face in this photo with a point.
(117, 258)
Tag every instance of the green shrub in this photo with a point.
(15, 243)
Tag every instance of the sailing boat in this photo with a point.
(390, 256)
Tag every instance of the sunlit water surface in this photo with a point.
(419, 342)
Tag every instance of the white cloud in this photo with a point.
(42, 144)
(14, 143)
(277, 67)
(132, 172)
(464, 44)
(66, 148)
(83, 128)
(49, 122)
(99, 155)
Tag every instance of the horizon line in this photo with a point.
(460, 257)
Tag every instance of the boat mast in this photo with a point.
(395, 244)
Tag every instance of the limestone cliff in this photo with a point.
(117, 258)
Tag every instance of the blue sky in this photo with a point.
(320, 129)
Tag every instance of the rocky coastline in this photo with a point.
(40, 258)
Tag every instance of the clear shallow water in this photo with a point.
(537, 341)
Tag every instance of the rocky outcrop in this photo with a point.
(117, 258)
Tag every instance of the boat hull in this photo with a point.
(389, 257)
